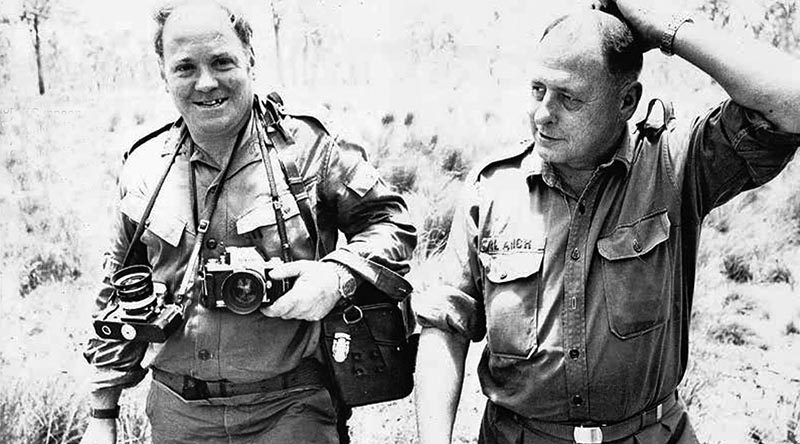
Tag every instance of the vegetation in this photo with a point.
(428, 99)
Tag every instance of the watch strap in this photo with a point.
(112, 413)
(668, 37)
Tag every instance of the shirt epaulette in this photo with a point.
(520, 150)
(146, 139)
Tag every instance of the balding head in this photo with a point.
(240, 25)
(599, 33)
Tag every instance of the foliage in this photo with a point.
(736, 268)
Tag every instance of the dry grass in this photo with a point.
(427, 111)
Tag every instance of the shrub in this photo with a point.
(403, 177)
(779, 274)
(736, 268)
(409, 119)
(731, 333)
(49, 267)
(387, 119)
(455, 163)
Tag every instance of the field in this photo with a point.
(428, 98)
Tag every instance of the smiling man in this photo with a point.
(241, 181)
(574, 256)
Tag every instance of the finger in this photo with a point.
(281, 308)
(288, 270)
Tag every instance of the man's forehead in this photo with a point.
(557, 64)
(189, 21)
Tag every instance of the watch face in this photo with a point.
(348, 287)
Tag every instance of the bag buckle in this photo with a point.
(587, 435)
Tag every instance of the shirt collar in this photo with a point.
(534, 166)
(246, 153)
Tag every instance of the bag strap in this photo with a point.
(651, 132)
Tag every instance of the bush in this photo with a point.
(403, 177)
(455, 163)
(736, 268)
(731, 333)
(49, 267)
(779, 274)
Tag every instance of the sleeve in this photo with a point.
(456, 305)
(116, 363)
(374, 219)
(729, 150)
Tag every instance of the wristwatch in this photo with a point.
(668, 38)
(347, 281)
(112, 413)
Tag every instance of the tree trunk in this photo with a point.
(37, 48)
(276, 27)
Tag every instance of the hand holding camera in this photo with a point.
(314, 294)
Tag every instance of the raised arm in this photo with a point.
(754, 74)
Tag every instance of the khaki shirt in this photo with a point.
(346, 194)
(585, 300)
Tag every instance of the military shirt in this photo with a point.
(584, 300)
(346, 195)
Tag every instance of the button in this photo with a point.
(574, 353)
(211, 243)
(503, 275)
(637, 247)
(577, 400)
(575, 255)
(581, 207)
(204, 355)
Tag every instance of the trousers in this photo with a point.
(295, 415)
(498, 427)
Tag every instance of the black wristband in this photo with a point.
(112, 413)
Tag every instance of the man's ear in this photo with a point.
(631, 95)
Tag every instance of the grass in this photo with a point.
(425, 126)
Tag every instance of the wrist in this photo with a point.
(347, 281)
(667, 42)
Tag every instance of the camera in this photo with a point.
(239, 281)
(138, 312)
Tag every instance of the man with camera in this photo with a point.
(574, 256)
(222, 217)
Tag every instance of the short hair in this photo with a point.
(241, 26)
(621, 51)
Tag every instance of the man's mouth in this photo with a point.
(211, 103)
(545, 137)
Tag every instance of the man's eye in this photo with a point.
(538, 92)
(223, 63)
(184, 67)
(570, 102)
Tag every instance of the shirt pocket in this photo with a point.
(258, 224)
(512, 302)
(637, 271)
(162, 226)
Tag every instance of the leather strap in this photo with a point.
(308, 373)
(112, 413)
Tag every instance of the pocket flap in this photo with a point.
(262, 214)
(507, 267)
(167, 226)
(637, 239)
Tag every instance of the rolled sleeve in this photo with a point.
(729, 150)
(456, 304)
(373, 218)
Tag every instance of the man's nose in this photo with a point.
(544, 111)
(207, 81)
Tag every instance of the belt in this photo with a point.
(602, 433)
(308, 372)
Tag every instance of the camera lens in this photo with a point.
(243, 291)
(134, 287)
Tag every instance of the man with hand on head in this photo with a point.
(241, 178)
(575, 256)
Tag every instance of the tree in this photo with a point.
(34, 12)
(276, 27)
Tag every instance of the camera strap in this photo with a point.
(190, 275)
(273, 106)
(277, 205)
(146, 214)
